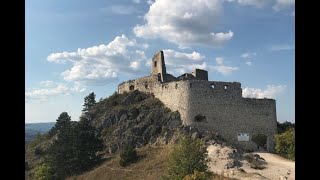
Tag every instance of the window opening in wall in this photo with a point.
(146, 86)
(176, 86)
(131, 87)
(155, 64)
(225, 86)
(212, 86)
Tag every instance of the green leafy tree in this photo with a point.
(74, 149)
(190, 156)
(61, 153)
(285, 144)
(87, 144)
(282, 127)
(63, 122)
(89, 102)
(43, 172)
(128, 156)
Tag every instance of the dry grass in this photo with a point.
(152, 165)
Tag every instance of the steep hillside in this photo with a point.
(152, 165)
(133, 118)
(137, 119)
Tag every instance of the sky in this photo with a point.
(76, 47)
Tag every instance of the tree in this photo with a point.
(87, 144)
(63, 121)
(43, 172)
(282, 127)
(285, 144)
(61, 153)
(128, 156)
(74, 150)
(89, 102)
(188, 157)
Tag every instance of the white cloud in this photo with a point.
(219, 60)
(270, 92)
(101, 64)
(283, 4)
(46, 83)
(179, 63)
(52, 89)
(221, 68)
(248, 55)
(249, 63)
(184, 22)
(225, 70)
(281, 47)
(256, 3)
(124, 9)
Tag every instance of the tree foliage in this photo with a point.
(43, 172)
(282, 127)
(285, 144)
(189, 157)
(74, 149)
(128, 156)
(63, 121)
(89, 102)
(86, 145)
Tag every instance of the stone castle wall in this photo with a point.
(227, 112)
(221, 105)
(209, 105)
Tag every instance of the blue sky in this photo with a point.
(75, 48)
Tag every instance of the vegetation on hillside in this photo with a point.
(132, 119)
(127, 156)
(285, 144)
(73, 149)
(188, 159)
(282, 127)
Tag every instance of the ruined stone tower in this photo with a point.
(158, 66)
(210, 105)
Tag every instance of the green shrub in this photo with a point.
(285, 144)
(198, 176)
(42, 172)
(38, 151)
(128, 156)
(189, 157)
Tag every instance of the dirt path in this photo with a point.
(276, 167)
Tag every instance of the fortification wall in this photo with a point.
(226, 112)
(172, 94)
(220, 103)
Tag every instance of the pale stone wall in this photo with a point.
(221, 103)
(228, 113)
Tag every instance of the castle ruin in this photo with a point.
(210, 105)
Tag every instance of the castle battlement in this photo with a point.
(221, 104)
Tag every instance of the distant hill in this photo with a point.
(32, 129)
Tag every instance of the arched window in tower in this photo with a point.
(155, 64)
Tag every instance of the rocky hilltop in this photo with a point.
(138, 119)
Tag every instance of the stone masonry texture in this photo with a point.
(220, 104)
